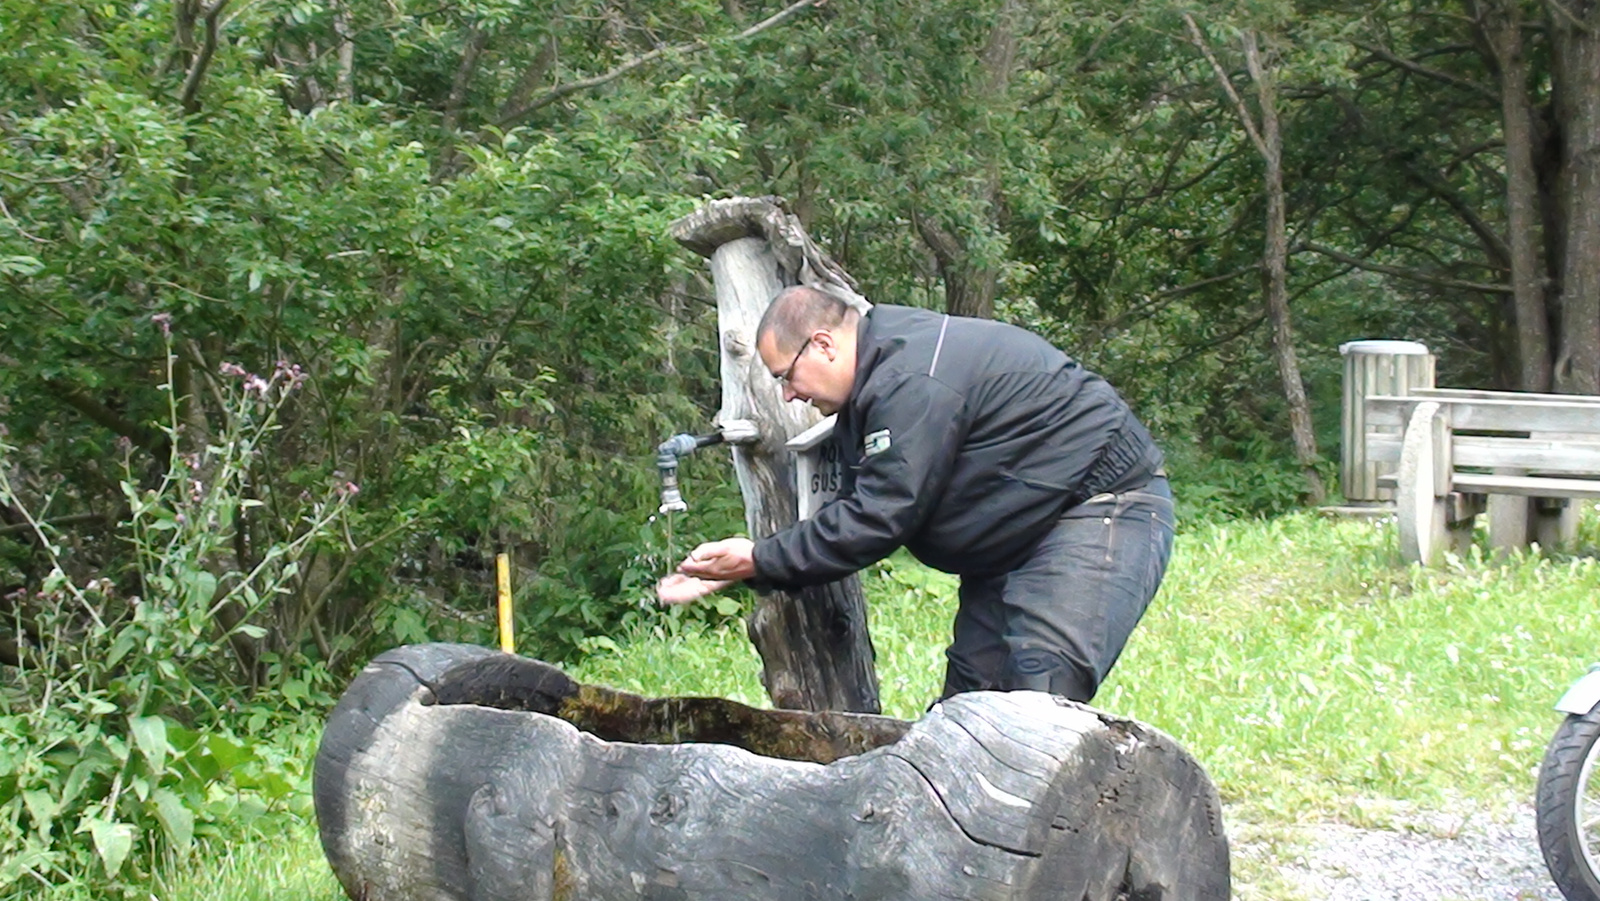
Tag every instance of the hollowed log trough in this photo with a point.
(451, 772)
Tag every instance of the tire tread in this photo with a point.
(1555, 806)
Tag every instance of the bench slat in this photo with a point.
(1537, 454)
(1453, 394)
(1531, 486)
(1574, 417)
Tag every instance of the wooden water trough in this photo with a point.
(452, 772)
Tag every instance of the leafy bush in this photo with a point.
(1208, 489)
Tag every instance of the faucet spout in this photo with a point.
(667, 454)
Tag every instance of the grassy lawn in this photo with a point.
(1314, 677)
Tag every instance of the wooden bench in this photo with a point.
(1458, 452)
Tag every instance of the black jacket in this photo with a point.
(963, 440)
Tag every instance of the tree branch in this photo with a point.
(572, 87)
(1395, 59)
(1249, 326)
(531, 76)
(477, 39)
(1227, 84)
(75, 519)
(1561, 10)
(1492, 241)
(1160, 299)
(190, 101)
(148, 438)
(1408, 274)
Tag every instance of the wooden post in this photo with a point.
(1425, 467)
(815, 650)
(1556, 523)
(452, 773)
(1391, 368)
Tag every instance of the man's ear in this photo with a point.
(823, 338)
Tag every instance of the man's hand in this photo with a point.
(725, 560)
(681, 589)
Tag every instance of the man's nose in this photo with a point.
(788, 393)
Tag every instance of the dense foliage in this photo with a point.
(310, 307)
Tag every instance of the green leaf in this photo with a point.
(228, 753)
(124, 642)
(176, 818)
(97, 706)
(42, 808)
(80, 776)
(20, 265)
(112, 841)
(150, 735)
(272, 785)
(726, 606)
(199, 587)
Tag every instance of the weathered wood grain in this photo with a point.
(815, 650)
(989, 796)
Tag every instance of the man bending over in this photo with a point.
(987, 453)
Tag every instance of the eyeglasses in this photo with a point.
(784, 376)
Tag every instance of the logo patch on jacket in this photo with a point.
(875, 443)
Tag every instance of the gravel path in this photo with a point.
(1424, 858)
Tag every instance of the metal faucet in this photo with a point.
(733, 431)
(667, 454)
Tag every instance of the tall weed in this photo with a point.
(131, 729)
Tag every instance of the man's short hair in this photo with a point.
(799, 310)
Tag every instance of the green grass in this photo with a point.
(291, 867)
(1307, 671)
(286, 867)
(1311, 674)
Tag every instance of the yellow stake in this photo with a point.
(502, 565)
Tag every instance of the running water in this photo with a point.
(671, 561)
(667, 558)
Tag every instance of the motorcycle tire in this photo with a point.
(1567, 808)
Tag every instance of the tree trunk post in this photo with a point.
(1275, 277)
(815, 650)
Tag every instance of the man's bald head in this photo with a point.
(797, 312)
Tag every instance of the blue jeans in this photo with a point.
(1058, 622)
